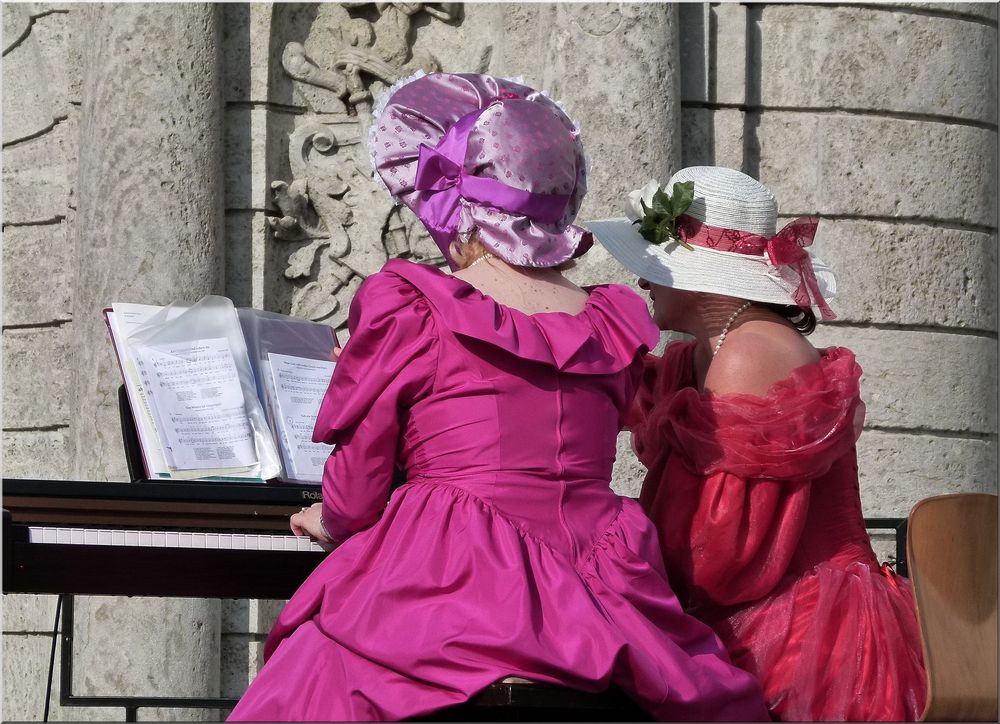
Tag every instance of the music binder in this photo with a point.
(219, 393)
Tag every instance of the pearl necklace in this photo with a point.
(484, 257)
(725, 330)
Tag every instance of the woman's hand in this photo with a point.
(309, 522)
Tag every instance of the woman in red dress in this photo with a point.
(748, 434)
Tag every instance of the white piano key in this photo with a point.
(169, 539)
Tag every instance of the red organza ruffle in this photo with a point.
(796, 431)
(839, 644)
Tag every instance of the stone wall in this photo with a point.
(882, 119)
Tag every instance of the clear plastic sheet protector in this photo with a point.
(269, 333)
(191, 346)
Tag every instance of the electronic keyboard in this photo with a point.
(151, 538)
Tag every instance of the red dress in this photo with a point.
(757, 503)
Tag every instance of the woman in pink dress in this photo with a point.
(748, 434)
(500, 390)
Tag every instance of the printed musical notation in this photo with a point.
(297, 386)
(197, 398)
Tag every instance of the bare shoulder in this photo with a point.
(760, 355)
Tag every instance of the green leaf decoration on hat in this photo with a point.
(657, 225)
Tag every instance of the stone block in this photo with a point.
(38, 173)
(242, 657)
(899, 469)
(263, 615)
(911, 274)
(878, 59)
(250, 257)
(37, 365)
(245, 157)
(695, 24)
(235, 616)
(27, 613)
(628, 473)
(55, 39)
(712, 137)
(729, 76)
(247, 51)
(177, 714)
(148, 647)
(38, 279)
(25, 670)
(16, 24)
(923, 380)
(249, 616)
(981, 10)
(884, 545)
(597, 266)
(881, 167)
(30, 102)
(38, 454)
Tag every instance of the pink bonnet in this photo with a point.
(466, 151)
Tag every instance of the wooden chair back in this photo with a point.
(952, 556)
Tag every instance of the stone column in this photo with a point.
(148, 229)
(149, 219)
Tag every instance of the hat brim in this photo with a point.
(700, 269)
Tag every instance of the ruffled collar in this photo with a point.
(836, 369)
(798, 429)
(603, 338)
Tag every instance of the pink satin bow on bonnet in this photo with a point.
(472, 152)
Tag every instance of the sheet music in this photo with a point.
(199, 404)
(298, 385)
(125, 319)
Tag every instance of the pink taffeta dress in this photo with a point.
(505, 553)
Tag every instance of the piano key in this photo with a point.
(169, 539)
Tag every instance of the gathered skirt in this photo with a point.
(445, 595)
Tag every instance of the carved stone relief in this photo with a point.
(344, 225)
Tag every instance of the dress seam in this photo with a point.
(604, 534)
(581, 562)
(494, 510)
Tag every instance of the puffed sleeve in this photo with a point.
(726, 539)
(387, 365)
(657, 378)
(730, 478)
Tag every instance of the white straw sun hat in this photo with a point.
(731, 244)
